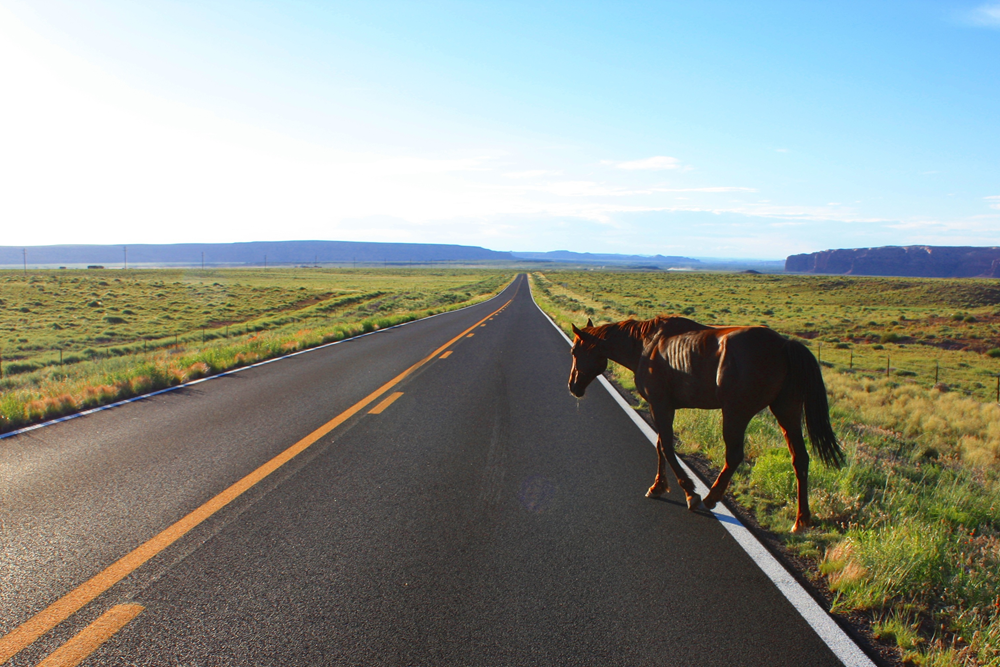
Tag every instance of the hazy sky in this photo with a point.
(728, 129)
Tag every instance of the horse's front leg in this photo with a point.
(663, 420)
(660, 484)
(663, 417)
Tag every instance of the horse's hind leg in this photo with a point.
(788, 411)
(734, 426)
(664, 418)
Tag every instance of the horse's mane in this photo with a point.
(659, 326)
(644, 334)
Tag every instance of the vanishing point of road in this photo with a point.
(426, 495)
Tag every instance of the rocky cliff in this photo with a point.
(916, 260)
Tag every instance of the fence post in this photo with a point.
(887, 366)
(820, 353)
(936, 369)
(852, 360)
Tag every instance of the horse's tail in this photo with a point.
(806, 373)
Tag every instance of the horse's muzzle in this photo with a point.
(576, 389)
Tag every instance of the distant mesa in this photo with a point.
(291, 253)
(912, 261)
(248, 254)
(642, 261)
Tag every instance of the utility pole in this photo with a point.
(202, 260)
(265, 261)
(125, 252)
(24, 254)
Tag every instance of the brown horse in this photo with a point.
(679, 363)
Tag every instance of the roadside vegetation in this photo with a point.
(908, 531)
(75, 339)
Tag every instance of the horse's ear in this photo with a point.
(586, 337)
(590, 323)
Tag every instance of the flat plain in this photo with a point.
(74, 339)
(907, 533)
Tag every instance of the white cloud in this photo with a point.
(657, 162)
(985, 15)
(994, 201)
(531, 173)
(722, 188)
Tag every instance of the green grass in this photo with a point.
(909, 529)
(71, 340)
(918, 328)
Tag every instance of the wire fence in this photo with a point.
(893, 365)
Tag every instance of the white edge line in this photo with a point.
(142, 397)
(832, 635)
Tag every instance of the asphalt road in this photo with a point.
(484, 517)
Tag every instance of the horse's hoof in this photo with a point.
(655, 492)
(709, 503)
(801, 526)
(693, 501)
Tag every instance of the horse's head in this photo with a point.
(589, 359)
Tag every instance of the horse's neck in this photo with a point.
(625, 347)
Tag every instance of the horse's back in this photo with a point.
(685, 366)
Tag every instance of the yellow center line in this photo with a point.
(57, 612)
(470, 335)
(85, 642)
(445, 355)
(377, 410)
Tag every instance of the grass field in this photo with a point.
(70, 340)
(908, 531)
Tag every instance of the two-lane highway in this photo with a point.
(470, 511)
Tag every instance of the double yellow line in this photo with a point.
(57, 612)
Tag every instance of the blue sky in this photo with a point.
(724, 129)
